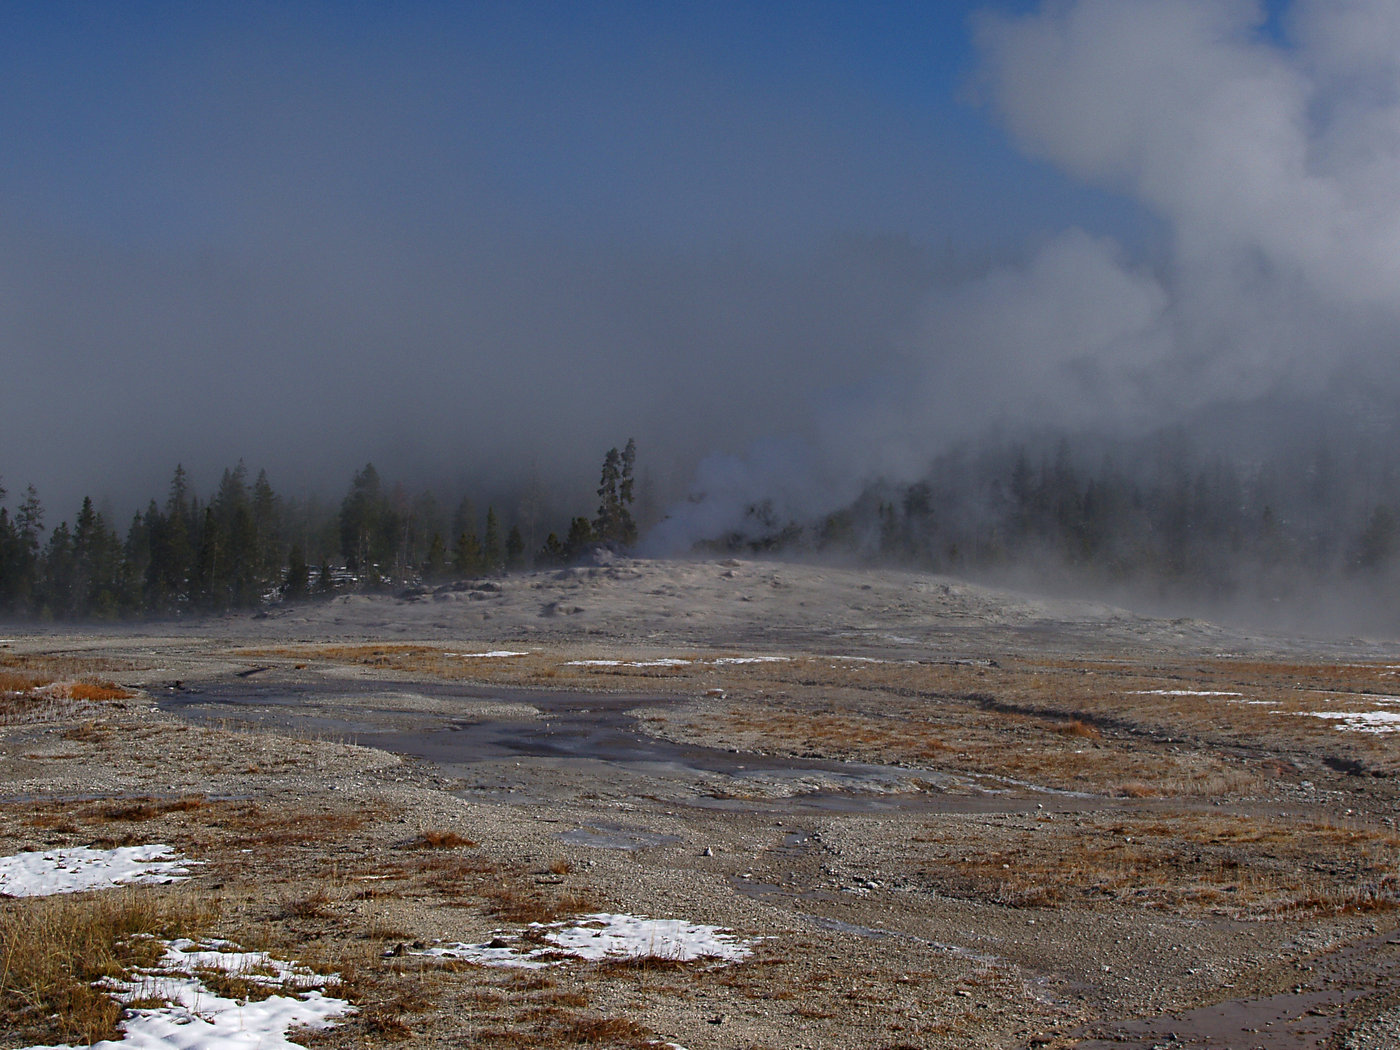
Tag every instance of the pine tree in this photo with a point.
(579, 538)
(464, 519)
(298, 580)
(493, 557)
(267, 527)
(515, 550)
(435, 565)
(466, 555)
(614, 523)
(9, 549)
(56, 594)
(238, 577)
(22, 566)
(208, 571)
(552, 553)
(172, 533)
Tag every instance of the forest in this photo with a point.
(247, 545)
(1157, 520)
(1311, 532)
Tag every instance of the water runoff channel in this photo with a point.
(507, 745)
(521, 746)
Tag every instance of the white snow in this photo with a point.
(493, 654)
(1360, 721)
(603, 936)
(677, 662)
(485, 955)
(78, 869)
(196, 1018)
(628, 663)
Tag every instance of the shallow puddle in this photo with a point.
(434, 722)
(1321, 1007)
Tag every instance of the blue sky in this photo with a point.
(470, 241)
(765, 123)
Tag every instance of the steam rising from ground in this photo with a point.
(1272, 158)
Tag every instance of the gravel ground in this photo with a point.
(1000, 887)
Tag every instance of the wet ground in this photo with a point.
(520, 747)
(587, 734)
(1309, 1015)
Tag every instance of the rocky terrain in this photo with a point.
(936, 815)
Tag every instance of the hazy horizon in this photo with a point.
(788, 248)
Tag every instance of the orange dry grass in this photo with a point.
(95, 691)
(21, 682)
(1243, 867)
(1070, 755)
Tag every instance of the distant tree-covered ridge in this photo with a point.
(248, 544)
(1159, 518)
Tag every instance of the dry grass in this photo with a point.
(53, 949)
(95, 691)
(435, 839)
(35, 694)
(52, 666)
(1244, 867)
(22, 682)
(520, 902)
(957, 738)
(140, 809)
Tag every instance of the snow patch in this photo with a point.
(1360, 721)
(493, 654)
(79, 869)
(604, 936)
(194, 1016)
(628, 663)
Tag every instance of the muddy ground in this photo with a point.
(944, 816)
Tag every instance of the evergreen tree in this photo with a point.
(435, 565)
(57, 587)
(20, 569)
(267, 528)
(552, 553)
(614, 523)
(238, 577)
(515, 550)
(464, 519)
(466, 555)
(9, 548)
(428, 525)
(492, 556)
(298, 581)
(1379, 540)
(359, 519)
(209, 570)
(579, 539)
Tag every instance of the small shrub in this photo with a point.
(1078, 727)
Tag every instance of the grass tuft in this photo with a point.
(53, 949)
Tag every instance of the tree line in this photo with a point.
(247, 545)
(1161, 516)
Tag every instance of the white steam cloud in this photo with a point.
(1273, 161)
